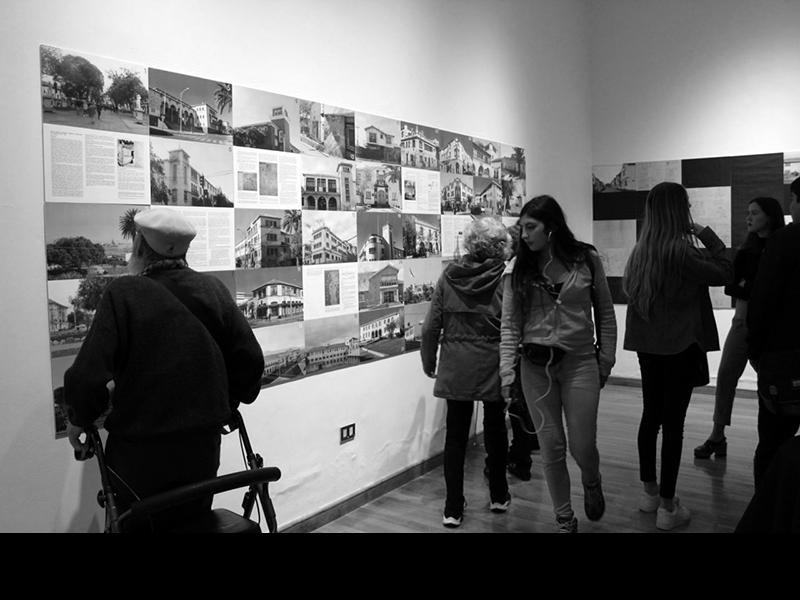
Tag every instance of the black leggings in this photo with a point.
(495, 438)
(666, 391)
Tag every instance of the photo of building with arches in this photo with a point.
(327, 184)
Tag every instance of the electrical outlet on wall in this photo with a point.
(347, 433)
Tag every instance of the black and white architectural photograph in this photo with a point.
(512, 179)
(486, 158)
(189, 108)
(382, 332)
(419, 146)
(378, 187)
(380, 236)
(329, 237)
(422, 236)
(377, 138)
(327, 130)
(380, 284)
(421, 275)
(269, 297)
(455, 153)
(457, 192)
(487, 196)
(93, 92)
(265, 120)
(327, 183)
(186, 173)
(88, 240)
(331, 343)
(268, 238)
(283, 345)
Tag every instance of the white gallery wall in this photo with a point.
(516, 71)
(677, 79)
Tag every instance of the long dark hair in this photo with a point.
(774, 211)
(662, 246)
(563, 243)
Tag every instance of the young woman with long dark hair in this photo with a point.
(670, 325)
(764, 216)
(549, 290)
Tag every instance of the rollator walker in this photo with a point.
(255, 477)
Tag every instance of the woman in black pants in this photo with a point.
(670, 324)
(465, 311)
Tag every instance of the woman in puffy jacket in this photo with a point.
(463, 324)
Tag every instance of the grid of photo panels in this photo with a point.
(720, 189)
(329, 226)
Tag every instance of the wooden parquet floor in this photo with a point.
(716, 491)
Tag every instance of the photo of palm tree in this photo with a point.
(267, 238)
(190, 108)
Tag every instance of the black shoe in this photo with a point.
(519, 472)
(452, 519)
(501, 506)
(707, 448)
(594, 504)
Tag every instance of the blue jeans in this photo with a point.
(572, 389)
(731, 367)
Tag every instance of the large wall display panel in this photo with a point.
(329, 226)
(720, 189)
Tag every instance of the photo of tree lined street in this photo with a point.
(82, 90)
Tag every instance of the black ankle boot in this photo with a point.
(707, 448)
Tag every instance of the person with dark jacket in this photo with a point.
(180, 357)
(764, 217)
(547, 308)
(773, 324)
(463, 324)
(670, 325)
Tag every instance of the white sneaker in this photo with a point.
(667, 520)
(648, 503)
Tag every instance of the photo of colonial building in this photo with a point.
(457, 194)
(381, 332)
(331, 342)
(272, 238)
(377, 138)
(378, 186)
(421, 236)
(339, 354)
(379, 287)
(488, 196)
(486, 158)
(455, 155)
(419, 147)
(274, 299)
(190, 108)
(324, 246)
(327, 185)
(177, 177)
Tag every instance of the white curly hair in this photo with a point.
(487, 237)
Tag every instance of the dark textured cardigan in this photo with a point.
(172, 371)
